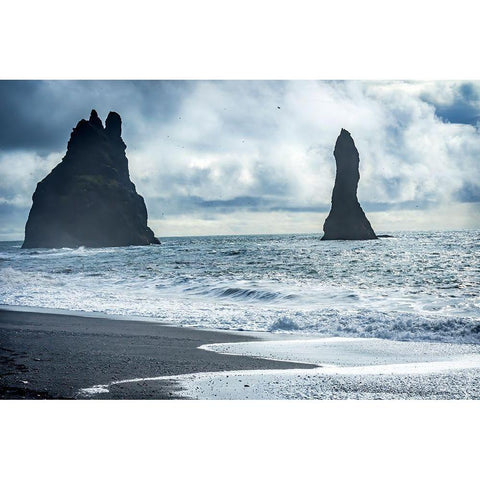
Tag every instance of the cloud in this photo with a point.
(461, 105)
(19, 173)
(469, 193)
(216, 151)
(40, 115)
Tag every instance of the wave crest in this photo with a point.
(241, 293)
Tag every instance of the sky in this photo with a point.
(252, 157)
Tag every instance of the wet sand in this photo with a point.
(53, 356)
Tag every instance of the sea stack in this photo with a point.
(88, 199)
(346, 220)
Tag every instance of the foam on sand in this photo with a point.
(346, 351)
(347, 368)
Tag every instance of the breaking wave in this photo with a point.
(242, 294)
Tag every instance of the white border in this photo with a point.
(239, 40)
(239, 439)
(252, 39)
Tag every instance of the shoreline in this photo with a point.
(55, 355)
(63, 355)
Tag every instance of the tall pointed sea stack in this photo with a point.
(346, 220)
(88, 198)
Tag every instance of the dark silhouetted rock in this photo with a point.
(88, 198)
(346, 220)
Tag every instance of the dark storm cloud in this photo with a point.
(24, 124)
(39, 115)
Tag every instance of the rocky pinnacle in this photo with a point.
(88, 199)
(346, 220)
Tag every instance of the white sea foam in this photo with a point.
(96, 390)
(436, 380)
(348, 352)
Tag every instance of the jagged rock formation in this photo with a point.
(346, 220)
(88, 198)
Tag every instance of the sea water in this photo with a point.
(415, 286)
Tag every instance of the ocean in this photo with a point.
(417, 286)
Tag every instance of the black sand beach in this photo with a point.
(52, 356)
